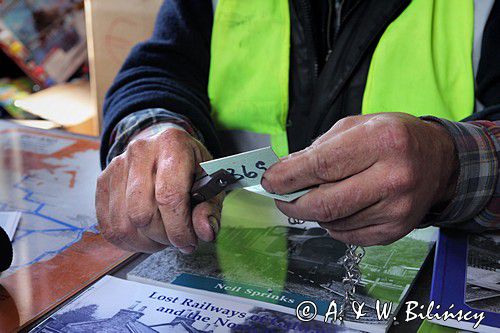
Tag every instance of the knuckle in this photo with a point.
(116, 163)
(346, 122)
(172, 200)
(321, 166)
(394, 136)
(323, 210)
(403, 179)
(178, 238)
(137, 146)
(139, 217)
(173, 135)
(278, 181)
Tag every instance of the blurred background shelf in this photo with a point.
(59, 57)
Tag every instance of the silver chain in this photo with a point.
(350, 261)
(352, 277)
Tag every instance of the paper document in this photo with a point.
(249, 168)
(9, 222)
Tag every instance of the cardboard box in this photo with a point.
(113, 28)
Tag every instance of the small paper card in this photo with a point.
(248, 168)
(9, 222)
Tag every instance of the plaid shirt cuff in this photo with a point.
(136, 122)
(477, 178)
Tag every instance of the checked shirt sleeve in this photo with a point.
(476, 204)
(136, 122)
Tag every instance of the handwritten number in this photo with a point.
(261, 165)
(235, 175)
(251, 174)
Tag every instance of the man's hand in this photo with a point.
(143, 196)
(378, 176)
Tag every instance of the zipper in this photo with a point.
(306, 6)
(396, 8)
(329, 29)
(338, 20)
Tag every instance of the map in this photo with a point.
(50, 178)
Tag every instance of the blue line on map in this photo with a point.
(19, 236)
(50, 253)
(41, 205)
(46, 230)
(66, 227)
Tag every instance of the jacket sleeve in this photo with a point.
(169, 71)
(475, 205)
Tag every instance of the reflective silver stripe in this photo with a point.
(482, 10)
(235, 141)
(214, 4)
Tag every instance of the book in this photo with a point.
(50, 177)
(467, 279)
(261, 255)
(116, 305)
(45, 38)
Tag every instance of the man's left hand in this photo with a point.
(375, 177)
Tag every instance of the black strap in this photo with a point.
(492, 114)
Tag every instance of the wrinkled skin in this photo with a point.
(375, 177)
(142, 198)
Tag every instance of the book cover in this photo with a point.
(262, 255)
(466, 281)
(116, 305)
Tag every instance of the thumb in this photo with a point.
(206, 218)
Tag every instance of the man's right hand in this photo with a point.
(143, 196)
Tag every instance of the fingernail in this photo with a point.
(266, 185)
(187, 249)
(214, 224)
